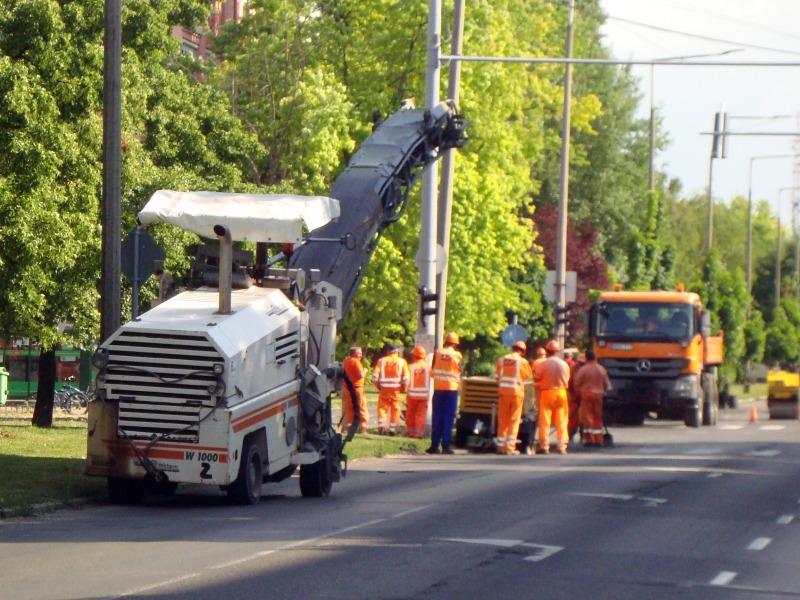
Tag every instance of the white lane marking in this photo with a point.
(648, 501)
(652, 501)
(785, 519)
(262, 553)
(624, 497)
(772, 427)
(700, 450)
(544, 550)
(714, 475)
(763, 453)
(723, 578)
(731, 428)
(653, 450)
(759, 543)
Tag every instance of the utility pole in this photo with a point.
(716, 152)
(563, 201)
(428, 213)
(112, 149)
(448, 171)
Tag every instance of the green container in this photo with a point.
(3, 386)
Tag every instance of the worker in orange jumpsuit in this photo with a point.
(513, 374)
(552, 376)
(446, 372)
(390, 376)
(357, 374)
(591, 382)
(418, 394)
(540, 355)
(573, 396)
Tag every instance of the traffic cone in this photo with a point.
(753, 415)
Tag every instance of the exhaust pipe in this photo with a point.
(225, 272)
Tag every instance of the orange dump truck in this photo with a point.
(660, 354)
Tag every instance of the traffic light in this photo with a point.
(562, 315)
(426, 296)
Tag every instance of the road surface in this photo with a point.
(668, 512)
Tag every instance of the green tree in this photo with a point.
(177, 132)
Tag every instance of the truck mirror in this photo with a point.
(705, 324)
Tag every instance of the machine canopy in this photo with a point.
(274, 218)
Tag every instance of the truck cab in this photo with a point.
(660, 356)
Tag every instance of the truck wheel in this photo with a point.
(247, 487)
(693, 416)
(126, 491)
(314, 482)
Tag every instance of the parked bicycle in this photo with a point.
(68, 397)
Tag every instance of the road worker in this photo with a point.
(573, 396)
(418, 394)
(356, 373)
(530, 409)
(446, 372)
(591, 382)
(552, 375)
(513, 373)
(390, 376)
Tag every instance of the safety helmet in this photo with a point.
(553, 346)
(452, 338)
(540, 352)
(519, 346)
(419, 352)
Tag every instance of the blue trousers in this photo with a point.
(443, 417)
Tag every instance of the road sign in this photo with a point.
(139, 250)
(512, 334)
(550, 286)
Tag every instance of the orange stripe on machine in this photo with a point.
(265, 412)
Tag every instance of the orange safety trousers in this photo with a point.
(592, 418)
(389, 403)
(553, 408)
(509, 411)
(416, 413)
(349, 411)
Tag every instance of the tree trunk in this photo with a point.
(43, 412)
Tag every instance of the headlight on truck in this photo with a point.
(685, 385)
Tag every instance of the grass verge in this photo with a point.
(43, 468)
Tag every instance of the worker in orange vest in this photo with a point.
(591, 382)
(513, 374)
(552, 376)
(573, 395)
(418, 394)
(390, 376)
(446, 371)
(356, 373)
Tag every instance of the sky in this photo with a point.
(687, 97)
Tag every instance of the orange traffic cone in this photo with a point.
(753, 415)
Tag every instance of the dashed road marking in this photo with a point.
(731, 427)
(714, 475)
(723, 578)
(763, 453)
(785, 519)
(759, 543)
(772, 427)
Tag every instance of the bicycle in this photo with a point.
(67, 398)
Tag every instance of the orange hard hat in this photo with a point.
(519, 346)
(452, 338)
(540, 352)
(419, 352)
(553, 346)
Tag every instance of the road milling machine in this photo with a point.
(230, 384)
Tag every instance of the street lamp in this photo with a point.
(749, 257)
(778, 248)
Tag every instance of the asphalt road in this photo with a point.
(669, 512)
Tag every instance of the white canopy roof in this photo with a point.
(275, 218)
